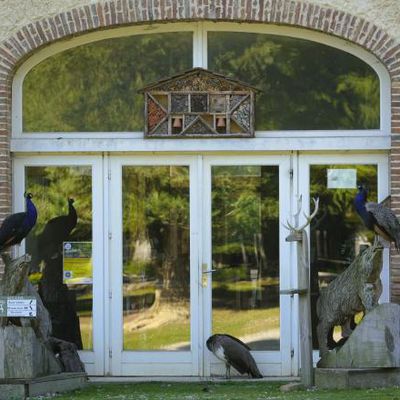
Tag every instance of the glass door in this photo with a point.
(174, 220)
(245, 200)
(153, 266)
(66, 247)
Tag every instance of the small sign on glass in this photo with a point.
(344, 178)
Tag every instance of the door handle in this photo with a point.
(205, 271)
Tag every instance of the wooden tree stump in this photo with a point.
(27, 349)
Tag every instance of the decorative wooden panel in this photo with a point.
(199, 103)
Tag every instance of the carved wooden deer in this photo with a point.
(298, 234)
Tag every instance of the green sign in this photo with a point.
(77, 263)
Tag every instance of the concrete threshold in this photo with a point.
(135, 379)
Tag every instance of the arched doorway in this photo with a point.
(124, 169)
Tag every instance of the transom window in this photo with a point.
(305, 85)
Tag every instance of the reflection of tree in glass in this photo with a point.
(305, 85)
(244, 205)
(52, 186)
(155, 254)
(94, 87)
(156, 210)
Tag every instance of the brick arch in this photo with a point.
(15, 49)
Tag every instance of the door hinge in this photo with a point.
(291, 173)
(109, 235)
(110, 294)
(109, 175)
(292, 353)
(110, 353)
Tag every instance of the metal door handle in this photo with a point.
(205, 271)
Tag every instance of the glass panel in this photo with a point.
(94, 87)
(156, 269)
(332, 250)
(245, 254)
(61, 248)
(304, 84)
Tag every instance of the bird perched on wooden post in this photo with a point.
(233, 352)
(17, 226)
(378, 218)
(56, 231)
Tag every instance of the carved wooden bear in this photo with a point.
(356, 289)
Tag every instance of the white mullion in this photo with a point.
(198, 55)
(18, 200)
(285, 274)
(106, 166)
(98, 266)
(207, 259)
(204, 48)
(115, 273)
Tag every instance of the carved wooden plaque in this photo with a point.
(199, 103)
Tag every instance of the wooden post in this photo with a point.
(299, 235)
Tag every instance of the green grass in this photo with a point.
(219, 391)
(157, 338)
(245, 322)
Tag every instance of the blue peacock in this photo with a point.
(378, 218)
(17, 226)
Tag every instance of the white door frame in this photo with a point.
(150, 363)
(106, 198)
(198, 361)
(93, 360)
(271, 363)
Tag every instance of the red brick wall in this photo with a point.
(124, 12)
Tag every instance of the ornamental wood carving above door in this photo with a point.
(199, 103)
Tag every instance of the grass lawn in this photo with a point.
(219, 391)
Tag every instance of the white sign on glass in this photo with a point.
(344, 178)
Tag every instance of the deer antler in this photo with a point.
(308, 218)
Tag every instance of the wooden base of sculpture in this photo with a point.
(356, 378)
(32, 362)
(369, 358)
(22, 355)
(373, 344)
(18, 389)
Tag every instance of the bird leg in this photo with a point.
(227, 371)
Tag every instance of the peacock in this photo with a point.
(378, 218)
(56, 231)
(17, 226)
(233, 352)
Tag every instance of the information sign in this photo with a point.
(77, 263)
(18, 306)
